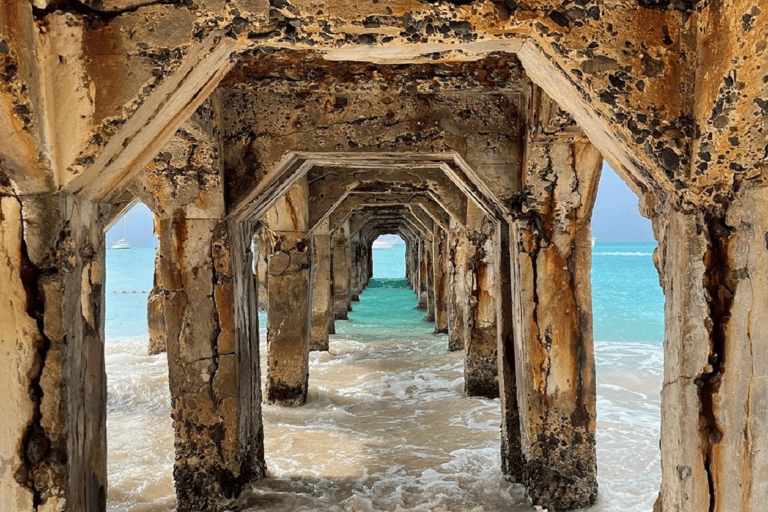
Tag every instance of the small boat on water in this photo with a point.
(593, 241)
(121, 243)
(380, 244)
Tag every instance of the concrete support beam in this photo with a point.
(422, 291)
(440, 251)
(53, 433)
(458, 298)
(322, 291)
(714, 271)
(429, 265)
(206, 296)
(512, 459)
(156, 325)
(289, 313)
(341, 269)
(551, 251)
(480, 366)
(262, 248)
(212, 353)
(357, 267)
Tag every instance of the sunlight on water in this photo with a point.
(386, 426)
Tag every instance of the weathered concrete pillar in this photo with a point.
(480, 366)
(512, 459)
(289, 313)
(422, 283)
(356, 268)
(53, 439)
(341, 271)
(714, 402)
(262, 248)
(551, 252)
(367, 261)
(458, 298)
(440, 252)
(205, 275)
(212, 341)
(429, 266)
(409, 264)
(322, 299)
(156, 328)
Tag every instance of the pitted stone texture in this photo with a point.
(458, 299)
(551, 251)
(288, 321)
(20, 361)
(480, 364)
(217, 429)
(322, 304)
(56, 390)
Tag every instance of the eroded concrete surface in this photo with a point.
(276, 139)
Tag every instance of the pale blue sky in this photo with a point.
(615, 219)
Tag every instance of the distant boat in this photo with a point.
(379, 244)
(122, 243)
(593, 241)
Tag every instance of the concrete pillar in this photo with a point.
(429, 265)
(480, 366)
(408, 264)
(53, 431)
(212, 341)
(422, 283)
(714, 402)
(156, 327)
(551, 252)
(262, 248)
(512, 460)
(440, 252)
(322, 299)
(289, 313)
(341, 271)
(457, 295)
(204, 275)
(356, 267)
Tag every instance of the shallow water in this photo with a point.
(386, 426)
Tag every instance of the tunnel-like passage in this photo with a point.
(240, 120)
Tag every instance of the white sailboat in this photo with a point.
(121, 243)
(381, 244)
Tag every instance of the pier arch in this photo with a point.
(669, 93)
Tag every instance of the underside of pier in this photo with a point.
(275, 140)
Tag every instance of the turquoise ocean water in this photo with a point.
(386, 426)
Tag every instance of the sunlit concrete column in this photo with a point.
(480, 366)
(204, 269)
(440, 252)
(341, 272)
(714, 402)
(212, 354)
(458, 298)
(53, 441)
(289, 313)
(322, 300)
(551, 253)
